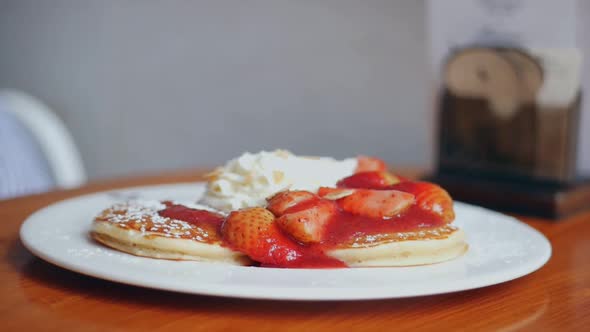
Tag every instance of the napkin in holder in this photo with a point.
(508, 130)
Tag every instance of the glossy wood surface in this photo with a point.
(37, 296)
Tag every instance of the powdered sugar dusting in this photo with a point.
(143, 216)
(487, 245)
(136, 210)
(496, 249)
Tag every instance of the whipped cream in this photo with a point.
(249, 179)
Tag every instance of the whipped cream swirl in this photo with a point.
(249, 179)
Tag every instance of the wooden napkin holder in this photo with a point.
(498, 147)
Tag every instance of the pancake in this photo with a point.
(403, 249)
(137, 228)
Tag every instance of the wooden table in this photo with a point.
(36, 295)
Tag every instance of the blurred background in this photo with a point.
(148, 86)
(145, 86)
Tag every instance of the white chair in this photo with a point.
(51, 136)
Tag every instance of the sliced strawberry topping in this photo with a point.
(284, 200)
(376, 203)
(369, 180)
(370, 164)
(430, 197)
(307, 224)
(254, 232)
(334, 193)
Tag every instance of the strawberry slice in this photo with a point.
(430, 197)
(334, 193)
(370, 164)
(308, 223)
(369, 180)
(376, 203)
(284, 200)
(254, 232)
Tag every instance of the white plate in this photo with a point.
(500, 249)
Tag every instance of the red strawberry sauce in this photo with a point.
(347, 228)
(192, 216)
(344, 228)
(208, 222)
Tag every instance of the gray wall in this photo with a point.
(151, 85)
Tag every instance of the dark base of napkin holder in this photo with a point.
(535, 198)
